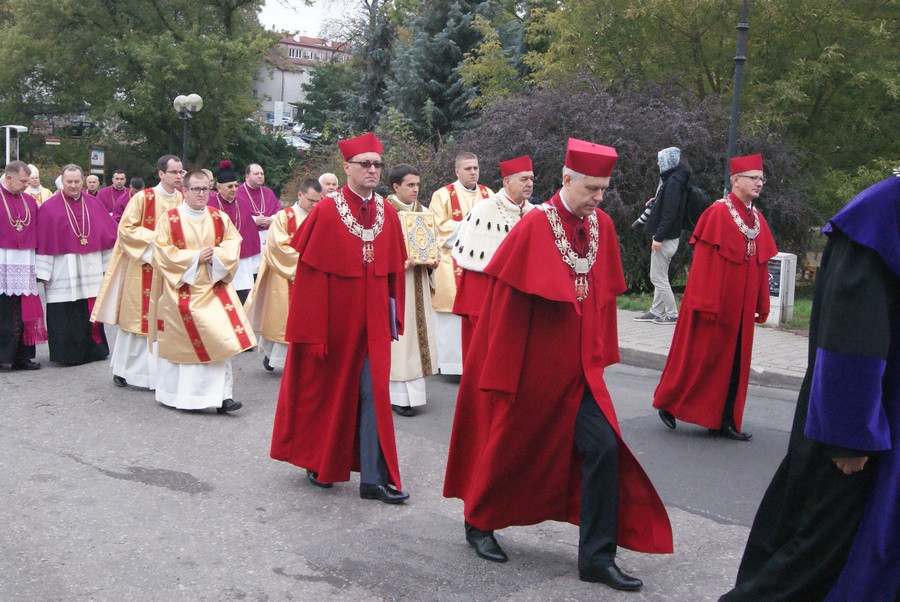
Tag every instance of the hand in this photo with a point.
(761, 318)
(655, 246)
(206, 255)
(434, 264)
(263, 221)
(410, 264)
(650, 202)
(850, 465)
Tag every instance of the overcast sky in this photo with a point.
(298, 17)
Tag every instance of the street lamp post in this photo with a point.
(19, 129)
(186, 107)
(739, 60)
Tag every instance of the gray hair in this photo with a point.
(72, 167)
(568, 171)
(327, 174)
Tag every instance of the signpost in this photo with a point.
(98, 162)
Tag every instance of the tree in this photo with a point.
(372, 67)
(488, 67)
(122, 62)
(426, 86)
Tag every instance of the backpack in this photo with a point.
(697, 202)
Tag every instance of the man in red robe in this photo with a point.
(705, 378)
(347, 302)
(537, 440)
(479, 236)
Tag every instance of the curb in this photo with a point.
(762, 378)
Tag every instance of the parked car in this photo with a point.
(297, 142)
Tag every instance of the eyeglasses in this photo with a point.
(754, 179)
(368, 164)
(200, 190)
(177, 172)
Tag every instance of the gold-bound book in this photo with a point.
(420, 233)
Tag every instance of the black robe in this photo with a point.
(807, 521)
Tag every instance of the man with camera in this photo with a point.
(662, 221)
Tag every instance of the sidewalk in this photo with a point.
(779, 356)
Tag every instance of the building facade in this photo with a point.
(278, 83)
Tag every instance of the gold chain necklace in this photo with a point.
(367, 235)
(237, 211)
(19, 223)
(85, 230)
(749, 233)
(262, 200)
(581, 265)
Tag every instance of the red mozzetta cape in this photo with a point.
(339, 312)
(513, 459)
(724, 291)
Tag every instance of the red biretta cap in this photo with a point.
(590, 159)
(367, 143)
(747, 163)
(508, 168)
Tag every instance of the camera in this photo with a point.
(640, 221)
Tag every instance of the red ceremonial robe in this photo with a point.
(513, 459)
(339, 312)
(470, 294)
(724, 290)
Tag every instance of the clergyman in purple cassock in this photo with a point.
(74, 243)
(21, 314)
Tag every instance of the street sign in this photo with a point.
(98, 158)
(97, 170)
(51, 140)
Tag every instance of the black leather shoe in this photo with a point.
(119, 381)
(613, 577)
(385, 493)
(25, 364)
(485, 544)
(729, 432)
(667, 419)
(229, 405)
(266, 364)
(313, 477)
(403, 411)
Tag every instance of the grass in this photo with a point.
(803, 294)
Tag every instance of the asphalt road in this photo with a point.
(108, 495)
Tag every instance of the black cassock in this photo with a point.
(801, 537)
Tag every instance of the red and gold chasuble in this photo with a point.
(184, 293)
(148, 222)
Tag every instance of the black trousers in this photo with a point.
(598, 527)
(69, 331)
(12, 348)
(728, 410)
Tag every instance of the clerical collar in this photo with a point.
(407, 206)
(194, 214)
(72, 199)
(160, 190)
(472, 189)
(566, 206)
(509, 198)
(4, 187)
(364, 199)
